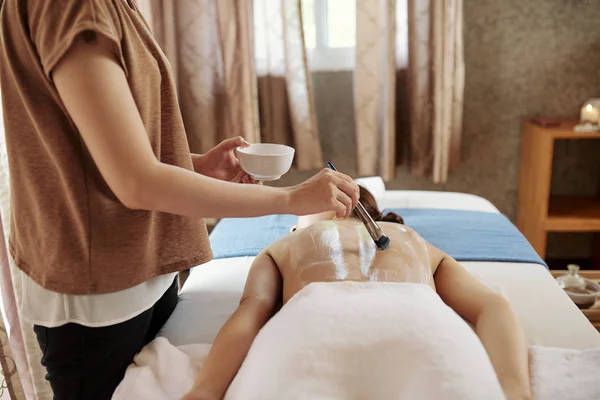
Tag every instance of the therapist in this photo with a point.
(107, 201)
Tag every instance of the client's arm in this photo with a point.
(258, 304)
(495, 323)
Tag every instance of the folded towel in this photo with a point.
(464, 235)
(560, 374)
(347, 341)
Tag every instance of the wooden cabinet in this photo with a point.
(538, 212)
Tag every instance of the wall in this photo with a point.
(522, 58)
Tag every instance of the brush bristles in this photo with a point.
(382, 243)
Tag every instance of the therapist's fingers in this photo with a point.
(344, 177)
(232, 143)
(339, 208)
(350, 188)
(245, 178)
(346, 201)
(238, 177)
(320, 193)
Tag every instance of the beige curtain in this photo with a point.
(375, 87)
(208, 43)
(435, 85)
(287, 109)
(225, 88)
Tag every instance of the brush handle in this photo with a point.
(373, 229)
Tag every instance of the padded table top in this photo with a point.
(549, 318)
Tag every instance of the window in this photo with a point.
(330, 33)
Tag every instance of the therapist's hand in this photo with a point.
(221, 163)
(326, 191)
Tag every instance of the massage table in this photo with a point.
(549, 318)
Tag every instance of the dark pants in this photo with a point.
(89, 363)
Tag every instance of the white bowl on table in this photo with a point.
(265, 161)
(584, 297)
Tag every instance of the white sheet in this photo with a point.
(548, 316)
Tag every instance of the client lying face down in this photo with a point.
(323, 249)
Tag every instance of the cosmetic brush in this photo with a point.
(381, 240)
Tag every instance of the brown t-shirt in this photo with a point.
(69, 232)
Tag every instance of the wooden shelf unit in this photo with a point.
(573, 214)
(538, 212)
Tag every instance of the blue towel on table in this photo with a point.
(464, 235)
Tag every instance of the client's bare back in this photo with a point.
(343, 251)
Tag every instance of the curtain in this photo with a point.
(226, 89)
(208, 45)
(286, 98)
(434, 86)
(375, 88)
(20, 355)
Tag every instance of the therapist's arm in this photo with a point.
(495, 323)
(261, 297)
(95, 92)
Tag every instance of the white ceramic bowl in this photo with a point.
(265, 161)
(587, 297)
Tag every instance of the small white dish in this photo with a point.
(582, 291)
(265, 161)
(584, 297)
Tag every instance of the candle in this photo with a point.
(590, 114)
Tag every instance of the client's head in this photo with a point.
(366, 199)
(370, 204)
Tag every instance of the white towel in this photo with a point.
(348, 341)
(162, 371)
(560, 374)
(369, 340)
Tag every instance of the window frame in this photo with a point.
(325, 58)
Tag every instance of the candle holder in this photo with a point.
(589, 117)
